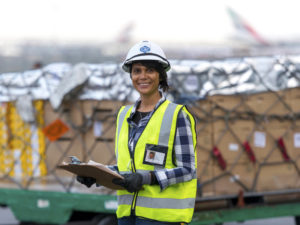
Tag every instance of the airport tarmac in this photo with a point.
(7, 218)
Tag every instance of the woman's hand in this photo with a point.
(87, 181)
(132, 182)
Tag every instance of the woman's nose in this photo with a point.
(143, 74)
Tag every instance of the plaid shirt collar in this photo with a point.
(135, 130)
(137, 103)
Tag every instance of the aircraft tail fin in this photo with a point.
(243, 27)
(125, 34)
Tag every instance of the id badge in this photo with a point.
(155, 155)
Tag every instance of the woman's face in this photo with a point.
(145, 80)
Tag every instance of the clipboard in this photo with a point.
(100, 172)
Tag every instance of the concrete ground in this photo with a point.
(7, 218)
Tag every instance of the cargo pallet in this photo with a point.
(247, 206)
(45, 207)
(248, 135)
(54, 207)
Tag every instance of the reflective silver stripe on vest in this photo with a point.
(125, 199)
(120, 124)
(166, 125)
(158, 203)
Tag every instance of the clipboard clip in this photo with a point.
(74, 160)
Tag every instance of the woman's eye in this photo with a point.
(150, 70)
(136, 71)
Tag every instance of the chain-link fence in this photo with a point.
(247, 112)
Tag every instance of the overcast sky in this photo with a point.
(156, 20)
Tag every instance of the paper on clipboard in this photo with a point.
(100, 172)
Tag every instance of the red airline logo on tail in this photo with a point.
(242, 26)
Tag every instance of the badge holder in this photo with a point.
(155, 155)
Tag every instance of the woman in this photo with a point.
(155, 147)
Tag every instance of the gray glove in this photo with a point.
(133, 182)
(87, 181)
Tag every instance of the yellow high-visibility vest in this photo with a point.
(176, 202)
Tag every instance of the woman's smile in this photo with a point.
(145, 80)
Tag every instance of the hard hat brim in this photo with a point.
(127, 64)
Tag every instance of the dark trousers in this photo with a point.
(133, 220)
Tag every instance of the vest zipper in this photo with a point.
(133, 204)
(133, 169)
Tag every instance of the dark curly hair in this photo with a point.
(163, 78)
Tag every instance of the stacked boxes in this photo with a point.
(258, 138)
(244, 142)
(90, 136)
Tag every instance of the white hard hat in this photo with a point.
(145, 50)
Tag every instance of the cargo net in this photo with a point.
(247, 112)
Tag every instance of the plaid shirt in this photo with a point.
(183, 146)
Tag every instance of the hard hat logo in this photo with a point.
(145, 49)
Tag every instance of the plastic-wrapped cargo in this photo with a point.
(247, 112)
